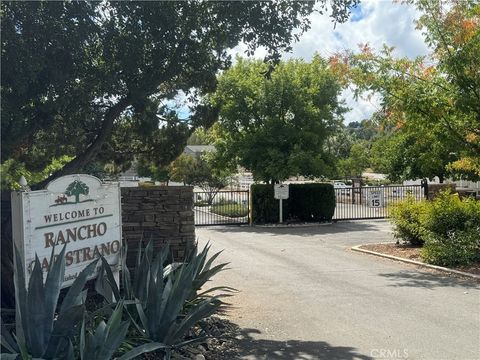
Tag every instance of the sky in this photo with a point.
(375, 22)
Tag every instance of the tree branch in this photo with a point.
(89, 153)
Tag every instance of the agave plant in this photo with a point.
(204, 271)
(105, 341)
(44, 334)
(40, 332)
(164, 311)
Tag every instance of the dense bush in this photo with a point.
(457, 248)
(407, 218)
(452, 231)
(307, 202)
(230, 210)
(312, 202)
(448, 226)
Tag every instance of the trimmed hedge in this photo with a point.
(306, 202)
(230, 210)
(312, 202)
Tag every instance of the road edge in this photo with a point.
(435, 267)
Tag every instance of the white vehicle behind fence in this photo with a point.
(345, 190)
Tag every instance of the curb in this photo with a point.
(435, 267)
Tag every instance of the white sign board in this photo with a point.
(78, 211)
(280, 191)
(375, 198)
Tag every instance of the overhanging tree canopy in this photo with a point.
(93, 79)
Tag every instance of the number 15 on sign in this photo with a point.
(375, 199)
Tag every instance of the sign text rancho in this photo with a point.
(78, 211)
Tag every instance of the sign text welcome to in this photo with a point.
(78, 211)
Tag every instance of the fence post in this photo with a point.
(424, 184)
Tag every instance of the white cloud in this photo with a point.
(376, 22)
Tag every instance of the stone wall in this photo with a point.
(434, 189)
(163, 214)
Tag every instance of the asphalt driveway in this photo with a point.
(305, 295)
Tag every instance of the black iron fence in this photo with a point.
(371, 202)
(221, 208)
(352, 203)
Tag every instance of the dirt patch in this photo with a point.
(410, 252)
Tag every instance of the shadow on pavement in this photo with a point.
(309, 230)
(427, 281)
(233, 342)
(261, 349)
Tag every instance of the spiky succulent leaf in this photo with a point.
(53, 284)
(36, 312)
(74, 295)
(21, 300)
(105, 283)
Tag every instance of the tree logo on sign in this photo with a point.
(76, 189)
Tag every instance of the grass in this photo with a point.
(230, 210)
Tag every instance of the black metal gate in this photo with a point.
(371, 202)
(221, 208)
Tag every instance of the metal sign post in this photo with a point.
(280, 192)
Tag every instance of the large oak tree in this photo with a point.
(94, 80)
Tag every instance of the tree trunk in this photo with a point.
(92, 150)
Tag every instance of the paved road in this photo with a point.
(305, 295)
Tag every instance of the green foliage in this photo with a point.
(306, 202)
(407, 216)
(461, 247)
(448, 213)
(99, 74)
(107, 338)
(200, 172)
(312, 202)
(149, 169)
(264, 205)
(447, 226)
(167, 302)
(277, 126)
(230, 210)
(356, 162)
(431, 102)
(11, 170)
(181, 168)
(41, 333)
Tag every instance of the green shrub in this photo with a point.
(312, 202)
(407, 216)
(230, 210)
(223, 201)
(457, 248)
(306, 202)
(448, 213)
(201, 203)
(453, 231)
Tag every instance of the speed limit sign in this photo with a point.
(375, 198)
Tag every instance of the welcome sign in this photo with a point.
(78, 211)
